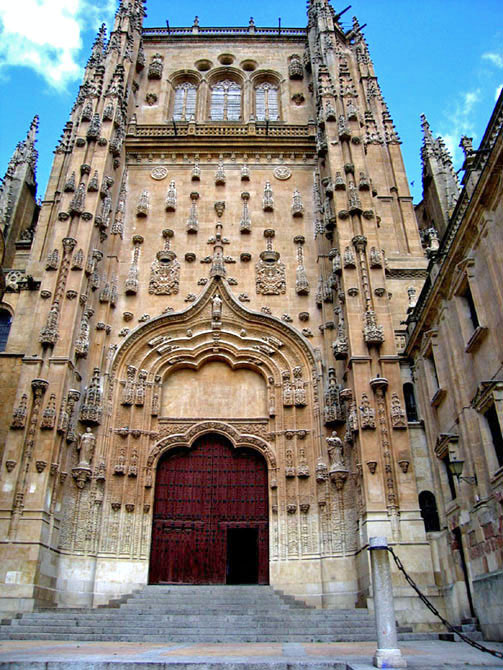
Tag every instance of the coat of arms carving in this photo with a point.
(165, 274)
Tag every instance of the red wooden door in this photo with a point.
(200, 494)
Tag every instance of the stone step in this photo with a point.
(189, 664)
(184, 625)
(199, 615)
(190, 620)
(472, 635)
(470, 619)
(95, 637)
(208, 613)
(262, 603)
(403, 637)
(84, 631)
(466, 628)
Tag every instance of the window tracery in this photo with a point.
(185, 101)
(266, 102)
(225, 101)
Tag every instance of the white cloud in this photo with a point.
(47, 35)
(460, 122)
(494, 58)
(498, 92)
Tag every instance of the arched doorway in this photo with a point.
(210, 516)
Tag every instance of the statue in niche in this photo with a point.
(288, 393)
(299, 385)
(335, 451)
(216, 308)
(86, 447)
(338, 472)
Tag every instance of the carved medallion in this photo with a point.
(282, 172)
(159, 173)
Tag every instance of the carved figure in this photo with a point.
(335, 451)
(155, 67)
(367, 413)
(287, 389)
(86, 447)
(338, 472)
(299, 385)
(216, 308)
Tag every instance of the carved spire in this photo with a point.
(440, 181)
(21, 170)
(428, 141)
(132, 10)
(98, 49)
(24, 155)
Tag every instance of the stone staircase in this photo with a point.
(199, 614)
(469, 627)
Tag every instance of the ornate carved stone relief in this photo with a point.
(367, 413)
(165, 270)
(270, 275)
(92, 403)
(131, 286)
(268, 200)
(301, 282)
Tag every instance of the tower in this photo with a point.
(225, 251)
(18, 206)
(440, 186)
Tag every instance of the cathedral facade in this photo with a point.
(204, 371)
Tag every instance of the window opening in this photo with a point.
(429, 511)
(491, 416)
(5, 324)
(468, 298)
(410, 402)
(450, 477)
(226, 101)
(185, 101)
(266, 102)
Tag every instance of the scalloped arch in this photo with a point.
(297, 347)
(188, 438)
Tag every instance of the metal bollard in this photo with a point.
(387, 655)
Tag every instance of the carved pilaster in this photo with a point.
(245, 223)
(132, 284)
(143, 205)
(171, 197)
(92, 403)
(192, 223)
(301, 282)
(82, 342)
(49, 414)
(128, 392)
(268, 200)
(297, 206)
(49, 333)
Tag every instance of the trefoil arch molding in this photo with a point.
(135, 349)
(188, 438)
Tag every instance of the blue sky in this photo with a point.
(444, 59)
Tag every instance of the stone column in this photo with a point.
(387, 653)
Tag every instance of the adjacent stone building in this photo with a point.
(209, 374)
(454, 344)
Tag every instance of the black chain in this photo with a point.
(433, 609)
